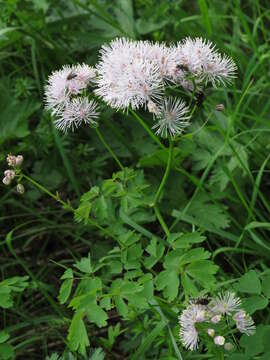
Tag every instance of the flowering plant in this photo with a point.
(151, 270)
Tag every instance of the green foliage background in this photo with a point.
(111, 279)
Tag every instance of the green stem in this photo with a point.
(42, 188)
(161, 221)
(148, 130)
(67, 205)
(101, 138)
(166, 174)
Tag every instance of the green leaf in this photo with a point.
(182, 241)
(86, 202)
(168, 281)
(66, 286)
(202, 272)
(8, 287)
(121, 306)
(6, 352)
(249, 283)
(206, 214)
(4, 336)
(84, 265)
(77, 334)
(115, 267)
(156, 250)
(106, 303)
(189, 285)
(194, 255)
(254, 303)
(98, 354)
(97, 315)
(253, 344)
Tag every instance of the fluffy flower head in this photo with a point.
(244, 323)
(190, 316)
(199, 57)
(126, 77)
(64, 83)
(77, 111)
(172, 117)
(226, 303)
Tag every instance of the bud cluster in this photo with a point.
(14, 163)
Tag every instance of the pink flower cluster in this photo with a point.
(136, 74)
(219, 307)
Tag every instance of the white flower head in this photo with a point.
(190, 316)
(76, 112)
(244, 322)
(160, 55)
(56, 92)
(172, 118)
(226, 303)
(200, 58)
(211, 332)
(64, 83)
(84, 73)
(125, 77)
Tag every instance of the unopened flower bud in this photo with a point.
(211, 332)
(228, 346)
(19, 160)
(220, 107)
(219, 340)
(20, 189)
(6, 180)
(10, 174)
(11, 160)
(216, 319)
